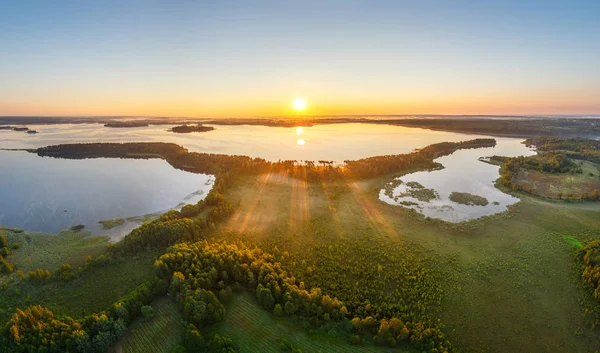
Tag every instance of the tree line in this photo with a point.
(216, 164)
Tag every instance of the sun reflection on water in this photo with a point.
(299, 130)
(300, 142)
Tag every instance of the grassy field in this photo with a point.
(111, 223)
(506, 281)
(502, 283)
(158, 334)
(258, 331)
(95, 291)
(567, 185)
(49, 251)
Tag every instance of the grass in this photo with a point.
(502, 283)
(49, 251)
(158, 334)
(568, 185)
(495, 282)
(464, 198)
(111, 223)
(95, 291)
(417, 191)
(257, 331)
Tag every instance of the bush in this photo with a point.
(148, 311)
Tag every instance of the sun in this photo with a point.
(299, 104)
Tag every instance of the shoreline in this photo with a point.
(516, 127)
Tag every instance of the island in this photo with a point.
(464, 198)
(124, 124)
(18, 128)
(185, 129)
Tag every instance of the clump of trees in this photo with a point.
(38, 329)
(574, 148)
(175, 226)
(5, 266)
(195, 342)
(589, 256)
(545, 162)
(203, 275)
(191, 128)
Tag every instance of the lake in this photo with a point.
(44, 194)
(428, 192)
(49, 195)
(336, 142)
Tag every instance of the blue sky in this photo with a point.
(226, 58)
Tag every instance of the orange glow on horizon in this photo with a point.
(186, 106)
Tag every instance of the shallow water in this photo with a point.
(46, 194)
(462, 172)
(337, 142)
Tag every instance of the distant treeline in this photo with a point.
(505, 127)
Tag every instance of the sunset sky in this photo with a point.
(247, 58)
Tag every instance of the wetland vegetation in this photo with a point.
(111, 223)
(271, 241)
(464, 198)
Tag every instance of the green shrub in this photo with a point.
(148, 311)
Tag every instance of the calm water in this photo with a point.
(51, 194)
(35, 192)
(462, 172)
(336, 142)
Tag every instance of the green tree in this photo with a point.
(278, 310)
(148, 311)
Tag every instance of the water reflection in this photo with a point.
(71, 192)
(300, 142)
(337, 142)
(299, 130)
(428, 192)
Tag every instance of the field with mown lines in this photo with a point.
(255, 330)
(155, 335)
